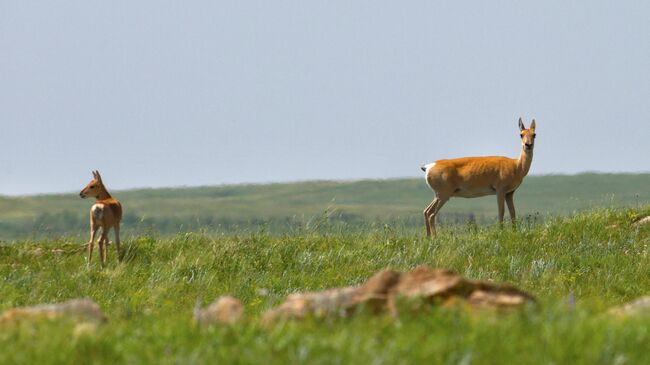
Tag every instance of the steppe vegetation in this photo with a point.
(580, 257)
(283, 208)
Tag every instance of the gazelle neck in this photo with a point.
(524, 161)
(103, 194)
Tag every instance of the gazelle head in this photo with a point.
(94, 187)
(527, 135)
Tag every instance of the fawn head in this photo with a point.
(527, 135)
(94, 187)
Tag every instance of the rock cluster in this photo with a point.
(225, 310)
(85, 313)
(642, 221)
(640, 306)
(80, 310)
(382, 292)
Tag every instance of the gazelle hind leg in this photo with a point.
(103, 240)
(91, 243)
(93, 229)
(432, 217)
(427, 213)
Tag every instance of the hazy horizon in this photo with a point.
(162, 94)
(262, 183)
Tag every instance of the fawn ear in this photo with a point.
(521, 125)
(532, 125)
(97, 176)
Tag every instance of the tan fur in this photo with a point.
(105, 213)
(472, 177)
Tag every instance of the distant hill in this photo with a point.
(282, 207)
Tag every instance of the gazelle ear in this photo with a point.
(94, 174)
(532, 125)
(521, 125)
(97, 176)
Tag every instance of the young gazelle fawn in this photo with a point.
(106, 213)
(472, 177)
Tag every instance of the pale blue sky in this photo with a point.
(169, 93)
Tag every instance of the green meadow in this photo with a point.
(283, 208)
(576, 250)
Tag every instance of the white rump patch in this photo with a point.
(98, 211)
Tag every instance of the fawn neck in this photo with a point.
(524, 161)
(103, 193)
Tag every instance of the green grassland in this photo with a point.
(281, 208)
(581, 256)
(149, 296)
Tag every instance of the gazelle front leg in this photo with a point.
(501, 197)
(511, 207)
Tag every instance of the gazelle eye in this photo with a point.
(521, 135)
(92, 186)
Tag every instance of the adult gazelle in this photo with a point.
(472, 177)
